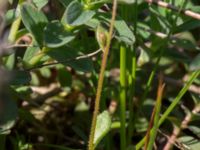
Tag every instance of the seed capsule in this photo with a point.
(102, 35)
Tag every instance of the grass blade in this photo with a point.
(173, 104)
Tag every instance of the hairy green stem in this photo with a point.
(101, 78)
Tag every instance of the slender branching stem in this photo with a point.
(188, 13)
(155, 116)
(66, 61)
(101, 78)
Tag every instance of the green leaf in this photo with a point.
(172, 54)
(66, 55)
(76, 15)
(37, 59)
(35, 21)
(190, 142)
(143, 58)
(195, 64)
(65, 2)
(11, 15)
(9, 61)
(102, 127)
(93, 23)
(185, 43)
(30, 52)
(40, 3)
(123, 32)
(188, 25)
(8, 113)
(64, 77)
(33, 56)
(22, 32)
(34, 79)
(81, 106)
(20, 78)
(158, 21)
(194, 129)
(22, 92)
(45, 72)
(55, 35)
(185, 40)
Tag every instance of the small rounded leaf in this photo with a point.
(76, 15)
(34, 21)
(55, 35)
(8, 113)
(195, 64)
(102, 127)
(40, 3)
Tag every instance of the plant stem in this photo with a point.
(123, 80)
(174, 8)
(156, 114)
(133, 78)
(132, 93)
(179, 96)
(173, 104)
(101, 78)
(139, 145)
(37, 57)
(151, 77)
(108, 142)
(123, 97)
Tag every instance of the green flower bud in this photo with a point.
(102, 35)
